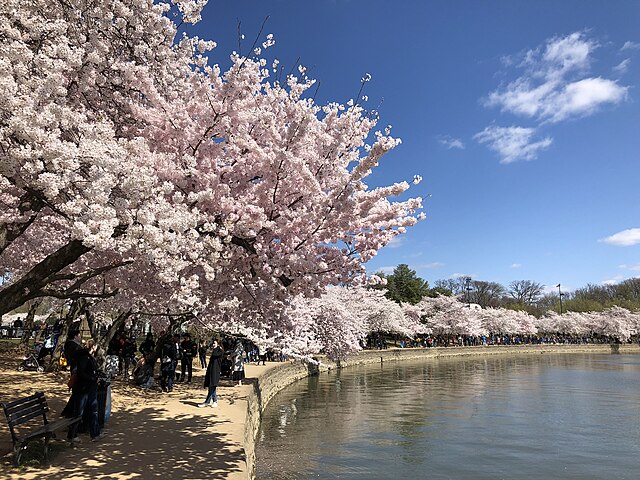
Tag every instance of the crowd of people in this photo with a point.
(380, 342)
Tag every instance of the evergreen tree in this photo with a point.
(403, 285)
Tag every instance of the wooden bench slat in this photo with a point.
(50, 428)
(27, 409)
(25, 417)
(16, 403)
(35, 402)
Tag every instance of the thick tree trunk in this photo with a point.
(28, 324)
(31, 284)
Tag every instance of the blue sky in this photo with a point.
(522, 117)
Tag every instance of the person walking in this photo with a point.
(212, 377)
(238, 363)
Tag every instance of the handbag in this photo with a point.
(166, 360)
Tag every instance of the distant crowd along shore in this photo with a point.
(381, 342)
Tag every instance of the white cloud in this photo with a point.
(622, 67)
(424, 266)
(513, 143)
(582, 98)
(516, 265)
(553, 289)
(396, 242)
(625, 238)
(450, 142)
(613, 281)
(387, 270)
(628, 45)
(635, 268)
(554, 86)
(462, 275)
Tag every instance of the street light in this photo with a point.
(468, 289)
(560, 294)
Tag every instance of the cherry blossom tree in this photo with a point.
(124, 148)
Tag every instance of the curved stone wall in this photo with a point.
(274, 380)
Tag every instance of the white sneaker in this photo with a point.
(202, 405)
(214, 404)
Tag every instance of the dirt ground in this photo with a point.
(150, 434)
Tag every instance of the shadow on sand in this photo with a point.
(146, 440)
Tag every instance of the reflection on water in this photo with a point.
(548, 416)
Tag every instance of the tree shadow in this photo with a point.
(148, 437)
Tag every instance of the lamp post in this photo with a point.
(560, 294)
(468, 289)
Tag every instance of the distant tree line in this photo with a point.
(403, 285)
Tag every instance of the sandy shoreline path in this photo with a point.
(149, 435)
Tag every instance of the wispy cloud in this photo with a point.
(622, 67)
(396, 242)
(555, 85)
(450, 142)
(625, 238)
(629, 45)
(516, 265)
(386, 270)
(513, 143)
(613, 281)
(424, 266)
(462, 275)
(634, 268)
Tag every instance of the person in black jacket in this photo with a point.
(202, 351)
(212, 377)
(71, 348)
(85, 391)
(189, 350)
(168, 360)
(148, 346)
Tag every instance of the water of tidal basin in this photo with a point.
(569, 416)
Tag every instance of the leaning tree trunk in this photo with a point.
(103, 341)
(75, 310)
(31, 284)
(29, 323)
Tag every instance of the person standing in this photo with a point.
(202, 351)
(168, 360)
(176, 343)
(212, 377)
(71, 348)
(148, 346)
(129, 354)
(86, 392)
(262, 354)
(189, 350)
(238, 363)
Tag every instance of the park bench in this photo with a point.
(25, 411)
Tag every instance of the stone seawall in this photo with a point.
(275, 379)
